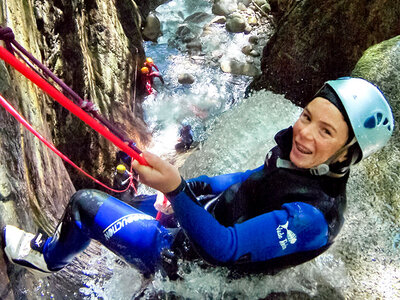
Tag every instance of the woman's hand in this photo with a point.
(159, 175)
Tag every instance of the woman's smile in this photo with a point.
(299, 147)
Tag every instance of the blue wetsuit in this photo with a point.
(261, 219)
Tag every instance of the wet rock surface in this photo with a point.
(314, 43)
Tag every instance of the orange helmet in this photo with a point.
(144, 70)
(149, 60)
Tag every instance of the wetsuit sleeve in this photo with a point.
(294, 228)
(220, 183)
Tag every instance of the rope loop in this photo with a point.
(7, 35)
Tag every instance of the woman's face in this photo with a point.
(319, 133)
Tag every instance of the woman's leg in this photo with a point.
(126, 231)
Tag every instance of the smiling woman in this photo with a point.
(318, 134)
(283, 213)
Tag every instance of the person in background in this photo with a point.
(185, 137)
(121, 181)
(148, 79)
(283, 213)
(149, 63)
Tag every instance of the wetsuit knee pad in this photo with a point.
(84, 205)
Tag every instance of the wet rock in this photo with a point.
(247, 49)
(244, 2)
(242, 7)
(266, 8)
(252, 20)
(380, 64)
(235, 23)
(218, 20)
(184, 33)
(198, 17)
(185, 78)
(250, 60)
(260, 2)
(315, 44)
(247, 29)
(253, 39)
(206, 31)
(152, 28)
(239, 68)
(224, 7)
(191, 28)
(254, 53)
(194, 47)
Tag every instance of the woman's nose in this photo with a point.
(307, 132)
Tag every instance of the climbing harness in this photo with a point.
(81, 109)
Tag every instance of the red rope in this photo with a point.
(28, 126)
(7, 35)
(65, 102)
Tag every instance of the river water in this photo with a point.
(235, 134)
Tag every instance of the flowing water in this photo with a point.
(235, 134)
(212, 92)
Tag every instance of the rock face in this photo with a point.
(380, 64)
(316, 41)
(94, 47)
(152, 28)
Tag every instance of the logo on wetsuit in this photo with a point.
(285, 235)
(122, 222)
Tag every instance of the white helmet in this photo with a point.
(368, 111)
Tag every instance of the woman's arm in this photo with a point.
(296, 227)
(204, 185)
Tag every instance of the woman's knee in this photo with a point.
(85, 203)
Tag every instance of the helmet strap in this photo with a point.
(323, 169)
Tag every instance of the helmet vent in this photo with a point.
(379, 117)
(370, 122)
(375, 120)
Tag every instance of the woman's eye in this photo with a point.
(305, 116)
(326, 131)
